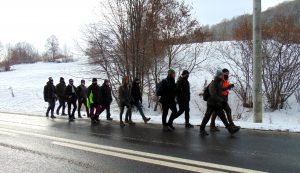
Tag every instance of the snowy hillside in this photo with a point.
(27, 82)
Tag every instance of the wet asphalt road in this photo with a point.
(39, 144)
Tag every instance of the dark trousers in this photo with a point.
(70, 103)
(183, 107)
(138, 105)
(166, 106)
(128, 112)
(84, 102)
(62, 104)
(95, 115)
(227, 109)
(107, 108)
(218, 110)
(51, 106)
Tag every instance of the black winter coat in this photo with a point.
(82, 92)
(169, 90)
(96, 90)
(60, 89)
(183, 90)
(215, 91)
(136, 93)
(49, 92)
(106, 94)
(70, 93)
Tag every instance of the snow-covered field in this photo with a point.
(27, 82)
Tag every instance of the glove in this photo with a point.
(230, 86)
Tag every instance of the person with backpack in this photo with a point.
(125, 101)
(94, 102)
(106, 99)
(226, 86)
(71, 96)
(166, 89)
(50, 97)
(214, 104)
(137, 98)
(183, 96)
(82, 98)
(60, 92)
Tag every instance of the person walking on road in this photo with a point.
(82, 98)
(50, 97)
(125, 101)
(167, 90)
(94, 96)
(60, 92)
(183, 98)
(71, 96)
(137, 98)
(214, 104)
(226, 86)
(106, 99)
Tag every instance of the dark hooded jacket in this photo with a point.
(136, 92)
(183, 90)
(82, 92)
(215, 91)
(60, 89)
(49, 92)
(70, 93)
(106, 94)
(169, 90)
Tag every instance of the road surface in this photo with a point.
(40, 144)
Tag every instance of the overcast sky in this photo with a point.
(34, 21)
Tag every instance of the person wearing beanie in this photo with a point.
(82, 98)
(50, 97)
(137, 98)
(214, 104)
(94, 101)
(183, 96)
(60, 91)
(106, 99)
(71, 95)
(226, 86)
(167, 99)
(125, 101)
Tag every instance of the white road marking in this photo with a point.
(18, 124)
(8, 133)
(139, 153)
(137, 158)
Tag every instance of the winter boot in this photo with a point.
(233, 129)
(203, 133)
(146, 120)
(188, 125)
(122, 124)
(214, 129)
(171, 126)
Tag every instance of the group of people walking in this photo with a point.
(96, 99)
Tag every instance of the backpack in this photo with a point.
(206, 93)
(159, 88)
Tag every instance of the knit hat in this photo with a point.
(94, 80)
(61, 79)
(185, 72)
(171, 71)
(82, 81)
(106, 80)
(225, 70)
(219, 73)
(50, 79)
(71, 80)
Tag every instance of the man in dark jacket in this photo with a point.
(50, 97)
(94, 99)
(168, 99)
(125, 100)
(106, 99)
(214, 104)
(226, 86)
(60, 92)
(71, 96)
(137, 98)
(82, 98)
(183, 98)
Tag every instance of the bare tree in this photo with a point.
(52, 47)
